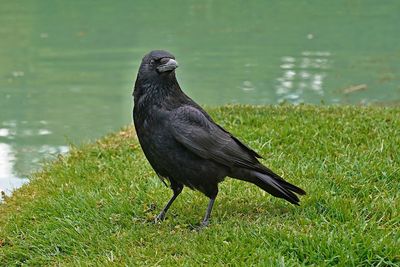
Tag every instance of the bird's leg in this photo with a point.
(177, 188)
(206, 220)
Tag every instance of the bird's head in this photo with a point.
(157, 75)
(158, 63)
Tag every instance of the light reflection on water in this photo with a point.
(8, 179)
(26, 156)
(303, 75)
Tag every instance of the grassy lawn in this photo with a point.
(95, 206)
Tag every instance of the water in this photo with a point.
(67, 67)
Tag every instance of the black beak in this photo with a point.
(169, 65)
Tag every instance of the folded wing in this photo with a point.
(196, 132)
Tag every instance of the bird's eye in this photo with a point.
(152, 61)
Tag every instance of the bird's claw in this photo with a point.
(160, 217)
(204, 224)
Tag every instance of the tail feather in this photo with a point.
(276, 188)
(288, 185)
(292, 187)
(271, 183)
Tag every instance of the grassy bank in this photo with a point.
(96, 205)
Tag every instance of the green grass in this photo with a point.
(95, 206)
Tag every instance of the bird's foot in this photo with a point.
(160, 217)
(204, 224)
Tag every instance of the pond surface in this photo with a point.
(67, 67)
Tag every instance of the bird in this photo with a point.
(184, 145)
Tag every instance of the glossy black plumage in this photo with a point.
(184, 145)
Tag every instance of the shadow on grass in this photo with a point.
(189, 211)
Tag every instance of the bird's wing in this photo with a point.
(196, 132)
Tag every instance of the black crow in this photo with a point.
(185, 146)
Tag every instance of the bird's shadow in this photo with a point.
(227, 210)
(250, 209)
(237, 202)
